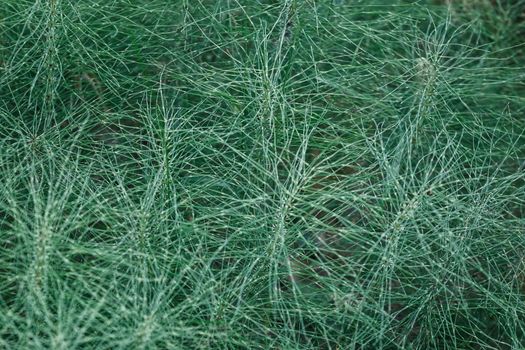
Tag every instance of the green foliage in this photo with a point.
(266, 174)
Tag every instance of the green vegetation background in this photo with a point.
(243, 174)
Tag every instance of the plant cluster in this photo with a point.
(262, 174)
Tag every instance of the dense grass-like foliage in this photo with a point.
(262, 174)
